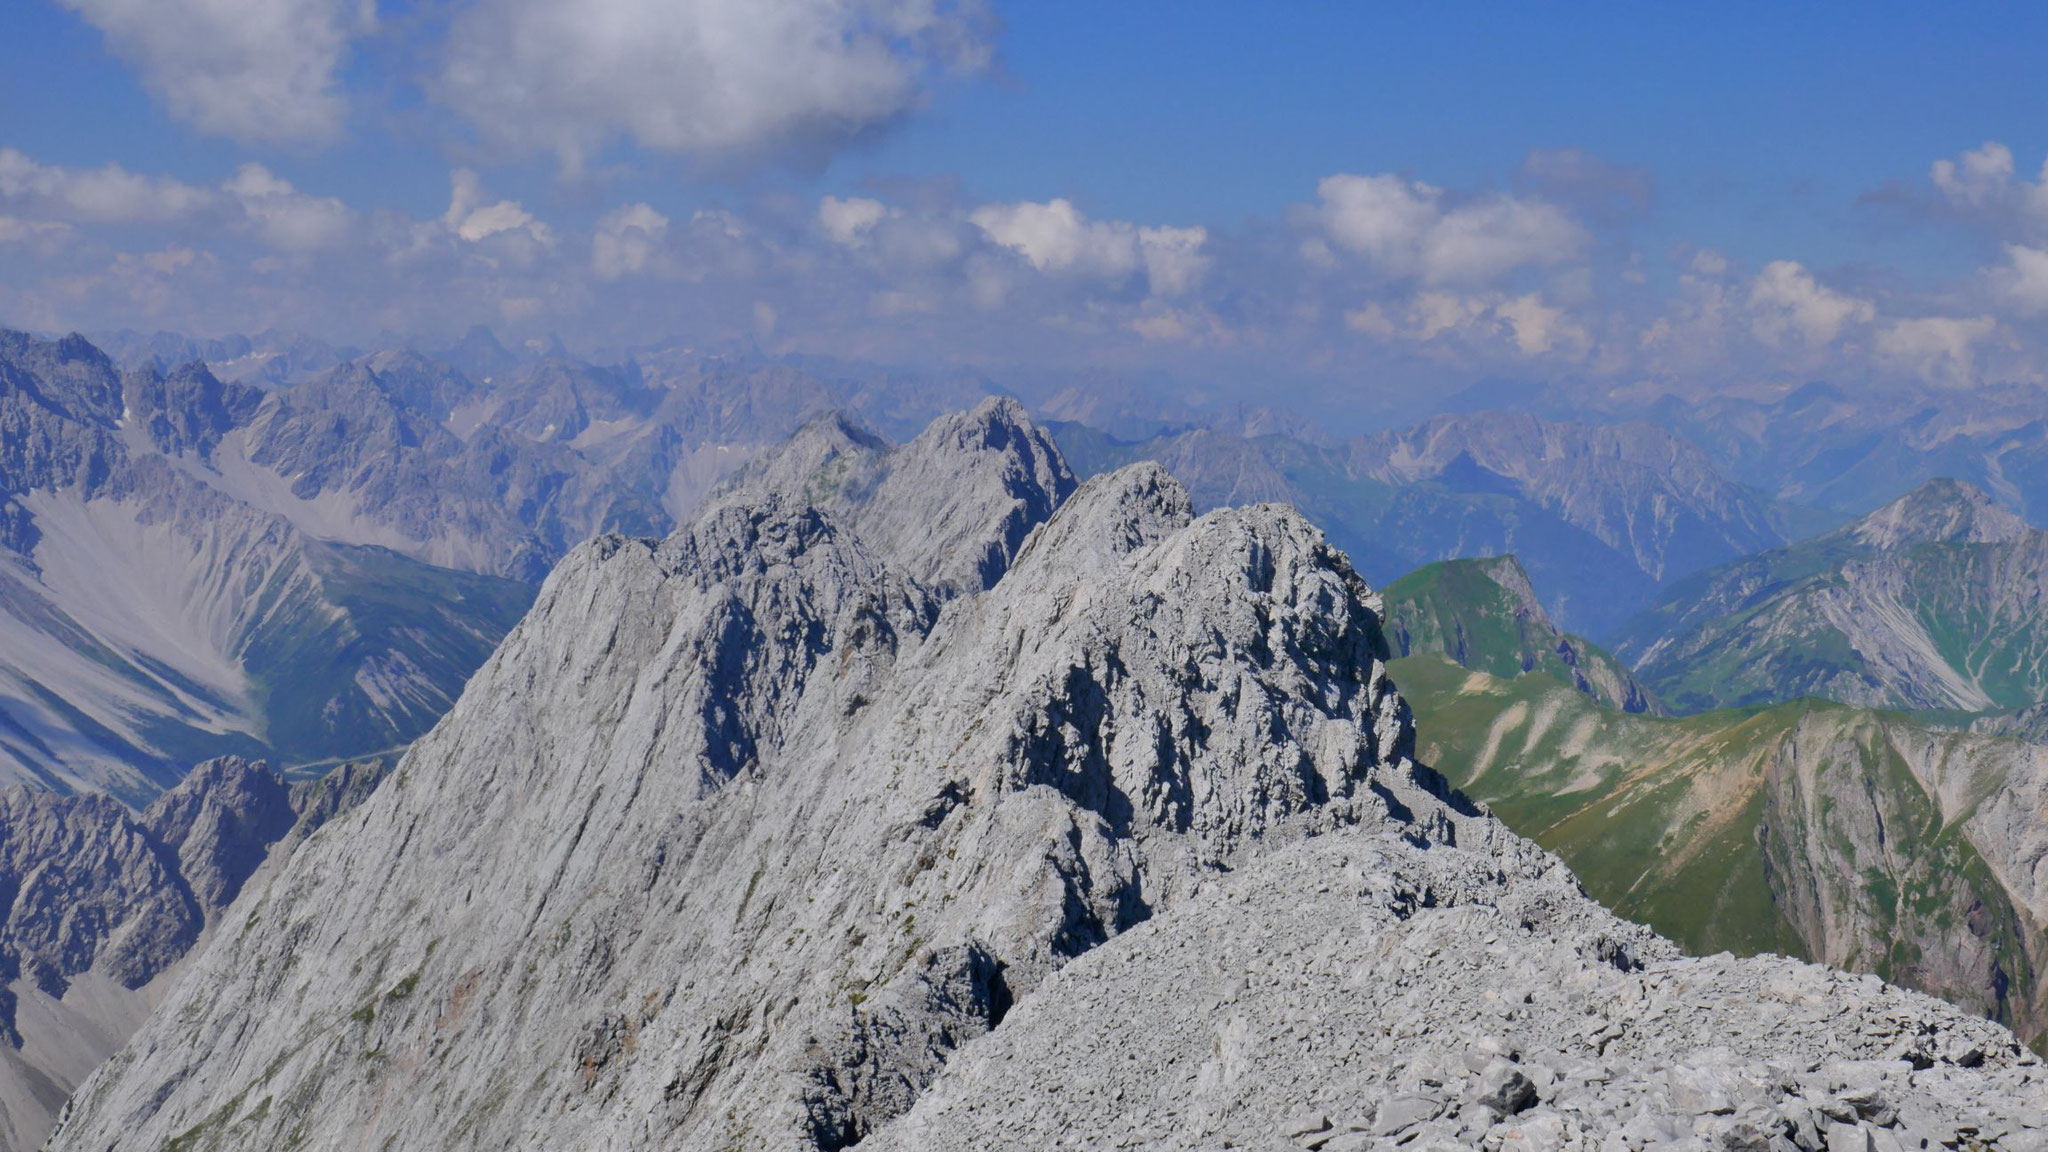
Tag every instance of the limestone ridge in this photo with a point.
(767, 834)
(1004, 473)
(747, 838)
(99, 895)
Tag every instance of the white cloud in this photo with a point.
(473, 220)
(107, 195)
(700, 76)
(626, 240)
(252, 69)
(849, 221)
(2023, 282)
(1982, 180)
(1405, 228)
(1524, 322)
(1055, 237)
(1939, 349)
(1786, 302)
(1174, 260)
(286, 218)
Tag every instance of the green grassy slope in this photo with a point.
(1799, 828)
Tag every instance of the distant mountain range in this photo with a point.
(1870, 840)
(1938, 600)
(307, 566)
(1602, 516)
(151, 619)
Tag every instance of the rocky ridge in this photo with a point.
(749, 838)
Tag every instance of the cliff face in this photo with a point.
(101, 904)
(752, 838)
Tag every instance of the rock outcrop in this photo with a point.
(750, 838)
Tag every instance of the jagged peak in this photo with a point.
(1941, 511)
(1109, 517)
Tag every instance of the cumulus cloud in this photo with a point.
(1406, 228)
(284, 217)
(2023, 283)
(253, 199)
(849, 221)
(1939, 349)
(473, 220)
(105, 195)
(1055, 237)
(1788, 305)
(1983, 180)
(704, 77)
(256, 70)
(1525, 322)
(626, 241)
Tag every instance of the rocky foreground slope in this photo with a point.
(748, 838)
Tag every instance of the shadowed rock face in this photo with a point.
(99, 895)
(752, 838)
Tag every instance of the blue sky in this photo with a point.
(1631, 191)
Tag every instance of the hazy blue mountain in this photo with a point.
(152, 619)
(1602, 516)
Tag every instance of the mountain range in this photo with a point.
(751, 837)
(1603, 516)
(1938, 601)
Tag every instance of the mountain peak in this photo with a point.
(1944, 511)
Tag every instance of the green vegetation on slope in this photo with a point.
(1936, 602)
(1483, 614)
(1800, 828)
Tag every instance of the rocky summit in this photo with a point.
(776, 834)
